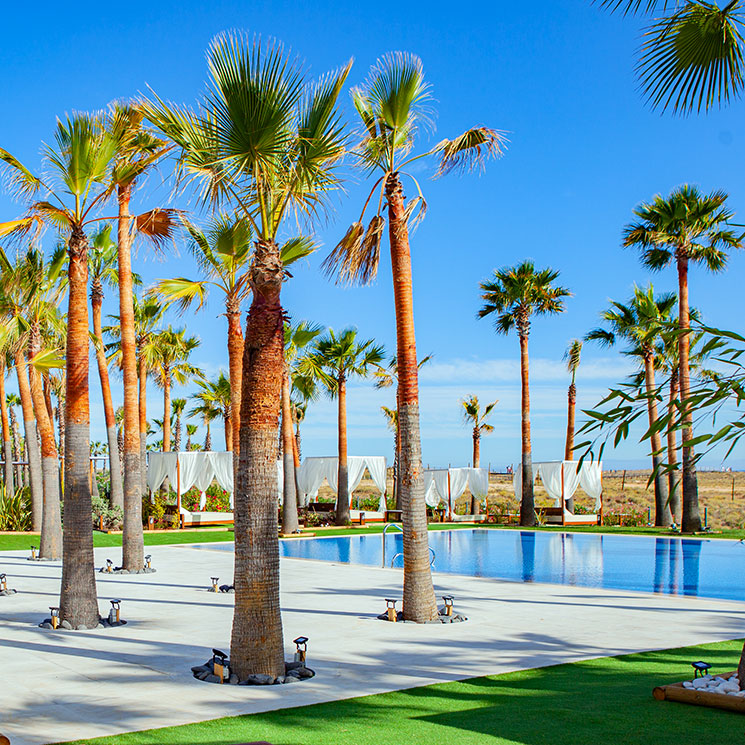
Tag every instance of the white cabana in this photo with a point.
(447, 484)
(561, 479)
(313, 472)
(195, 468)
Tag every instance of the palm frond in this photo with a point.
(469, 150)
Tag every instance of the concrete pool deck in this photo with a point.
(65, 685)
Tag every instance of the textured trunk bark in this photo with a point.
(342, 492)
(289, 492)
(673, 477)
(256, 643)
(117, 493)
(527, 503)
(32, 444)
(208, 440)
(177, 433)
(142, 414)
(78, 600)
(662, 516)
(691, 522)
(50, 544)
(419, 602)
(476, 503)
(569, 444)
(19, 481)
(228, 429)
(134, 476)
(166, 411)
(235, 367)
(7, 447)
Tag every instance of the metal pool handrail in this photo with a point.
(400, 553)
(385, 530)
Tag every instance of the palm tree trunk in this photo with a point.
(228, 429)
(19, 476)
(117, 494)
(7, 446)
(673, 477)
(135, 476)
(166, 411)
(78, 601)
(691, 522)
(289, 491)
(476, 503)
(50, 544)
(235, 369)
(177, 433)
(342, 491)
(527, 503)
(32, 445)
(142, 412)
(208, 439)
(256, 644)
(419, 602)
(661, 509)
(569, 444)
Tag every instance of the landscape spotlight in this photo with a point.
(147, 561)
(448, 599)
(55, 616)
(220, 665)
(3, 582)
(301, 644)
(33, 552)
(215, 580)
(391, 609)
(114, 613)
(109, 565)
(701, 668)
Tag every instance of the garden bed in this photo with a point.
(700, 697)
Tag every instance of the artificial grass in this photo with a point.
(607, 700)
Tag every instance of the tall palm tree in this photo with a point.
(8, 476)
(392, 105)
(137, 151)
(172, 351)
(177, 408)
(693, 56)
(14, 400)
(641, 322)
(191, 430)
(267, 140)
(686, 227)
(336, 360)
(572, 357)
(475, 418)
(207, 410)
(512, 296)
(391, 421)
(102, 259)
(297, 338)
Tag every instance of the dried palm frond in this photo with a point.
(469, 150)
(158, 225)
(343, 258)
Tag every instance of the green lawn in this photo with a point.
(608, 700)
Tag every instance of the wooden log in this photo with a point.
(697, 697)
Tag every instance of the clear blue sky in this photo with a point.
(583, 151)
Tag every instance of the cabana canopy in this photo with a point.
(561, 479)
(313, 471)
(447, 484)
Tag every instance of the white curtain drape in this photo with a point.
(161, 466)
(191, 465)
(478, 482)
(378, 471)
(355, 471)
(431, 495)
(311, 474)
(551, 478)
(313, 471)
(591, 481)
(458, 482)
(517, 480)
(571, 479)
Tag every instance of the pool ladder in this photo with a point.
(395, 556)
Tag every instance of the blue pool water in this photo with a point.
(679, 566)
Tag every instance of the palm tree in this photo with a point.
(102, 259)
(513, 295)
(640, 323)
(177, 407)
(687, 227)
(207, 410)
(13, 400)
(572, 357)
(282, 163)
(297, 338)
(391, 421)
(137, 151)
(336, 360)
(392, 105)
(191, 430)
(172, 349)
(8, 477)
(693, 54)
(474, 417)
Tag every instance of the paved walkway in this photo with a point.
(67, 685)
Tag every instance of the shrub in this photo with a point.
(112, 516)
(15, 509)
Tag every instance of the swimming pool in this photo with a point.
(678, 566)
